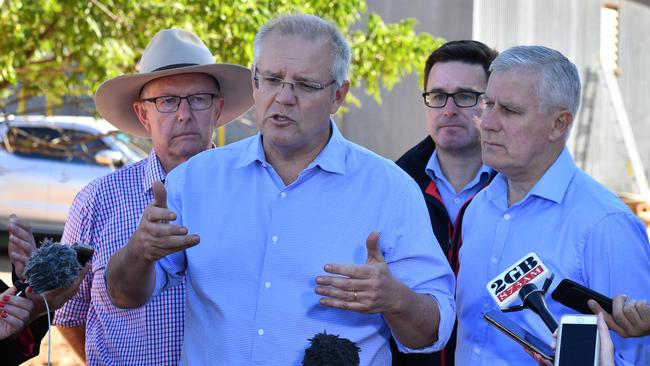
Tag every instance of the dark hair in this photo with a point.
(466, 51)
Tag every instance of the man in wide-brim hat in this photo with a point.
(177, 99)
(124, 100)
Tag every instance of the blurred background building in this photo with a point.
(610, 137)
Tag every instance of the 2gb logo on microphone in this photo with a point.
(506, 286)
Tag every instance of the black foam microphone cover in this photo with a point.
(51, 266)
(330, 349)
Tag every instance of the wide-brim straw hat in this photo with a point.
(171, 52)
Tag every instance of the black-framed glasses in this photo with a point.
(170, 103)
(462, 99)
(270, 84)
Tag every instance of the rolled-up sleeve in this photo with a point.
(415, 258)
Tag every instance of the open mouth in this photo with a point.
(280, 118)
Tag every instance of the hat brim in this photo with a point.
(114, 98)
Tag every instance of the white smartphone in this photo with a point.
(577, 341)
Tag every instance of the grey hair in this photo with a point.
(311, 28)
(559, 82)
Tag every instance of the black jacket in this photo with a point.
(414, 163)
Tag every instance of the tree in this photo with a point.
(68, 47)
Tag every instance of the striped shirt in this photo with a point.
(105, 214)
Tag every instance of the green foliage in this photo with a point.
(69, 47)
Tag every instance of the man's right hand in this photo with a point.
(130, 273)
(155, 237)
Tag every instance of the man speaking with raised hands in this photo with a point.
(294, 231)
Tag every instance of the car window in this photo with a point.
(55, 144)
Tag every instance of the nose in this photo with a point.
(184, 111)
(286, 94)
(450, 107)
(488, 121)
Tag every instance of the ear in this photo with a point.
(339, 96)
(218, 108)
(141, 111)
(561, 124)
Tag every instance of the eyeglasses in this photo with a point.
(170, 103)
(462, 99)
(271, 84)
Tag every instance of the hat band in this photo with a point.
(168, 67)
(173, 66)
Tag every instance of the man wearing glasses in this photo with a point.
(447, 164)
(177, 99)
(283, 227)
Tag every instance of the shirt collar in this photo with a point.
(331, 158)
(552, 185)
(153, 171)
(434, 171)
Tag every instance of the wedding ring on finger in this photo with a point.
(355, 296)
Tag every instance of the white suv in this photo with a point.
(45, 161)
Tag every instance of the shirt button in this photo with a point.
(506, 217)
(260, 331)
(494, 260)
(283, 194)
(274, 238)
(457, 200)
(267, 284)
(476, 350)
(486, 305)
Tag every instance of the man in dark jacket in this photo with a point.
(447, 164)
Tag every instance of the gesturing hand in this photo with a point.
(155, 237)
(368, 288)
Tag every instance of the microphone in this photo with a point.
(329, 349)
(51, 266)
(520, 280)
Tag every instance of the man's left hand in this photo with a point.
(368, 288)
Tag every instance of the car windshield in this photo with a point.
(133, 147)
(69, 144)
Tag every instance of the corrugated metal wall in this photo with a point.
(573, 28)
(634, 63)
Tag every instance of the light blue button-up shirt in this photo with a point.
(452, 200)
(578, 228)
(251, 280)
